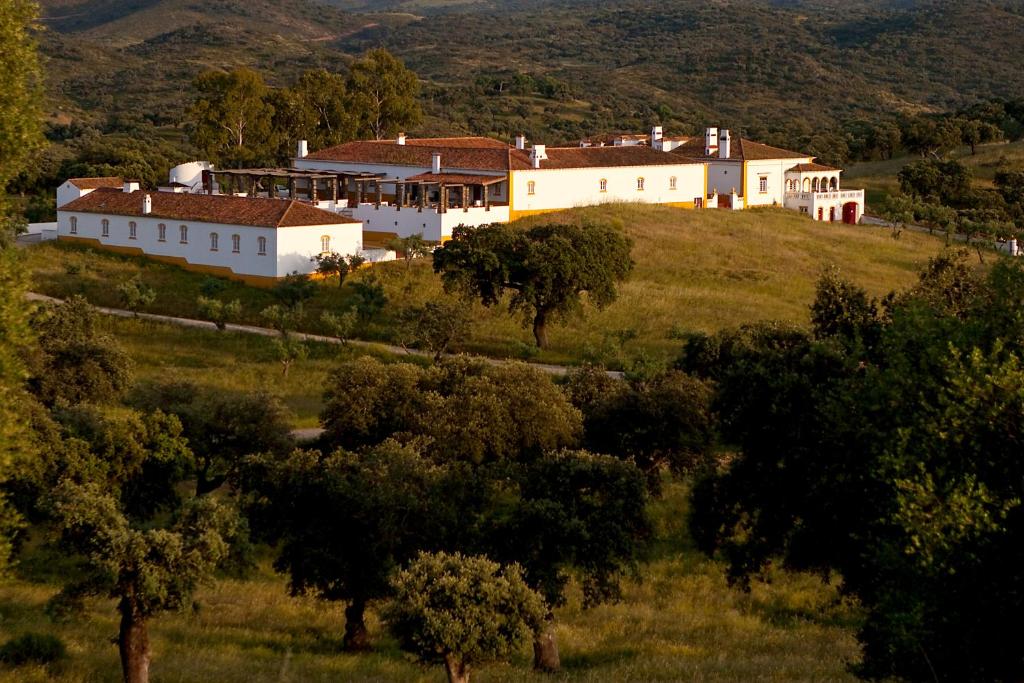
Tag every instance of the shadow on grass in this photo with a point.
(581, 661)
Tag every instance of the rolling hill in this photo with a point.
(799, 64)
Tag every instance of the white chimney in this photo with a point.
(656, 137)
(147, 205)
(520, 141)
(723, 144)
(400, 139)
(538, 154)
(303, 149)
(710, 141)
(131, 186)
(435, 162)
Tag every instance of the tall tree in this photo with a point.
(22, 94)
(324, 109)
(546, 268)
(383, 94)
(232, 118)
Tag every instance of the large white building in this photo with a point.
(264, 223)
(256, 240)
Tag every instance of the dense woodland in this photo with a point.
(461, 500)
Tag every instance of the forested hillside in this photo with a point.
(559, 69)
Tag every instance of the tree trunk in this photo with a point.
(457, 670)
(356, 637)
(545, 650)
(133, 644)
(540, 330)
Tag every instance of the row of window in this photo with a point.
(531, 186)
(161, 236)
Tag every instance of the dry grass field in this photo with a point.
(695, 271)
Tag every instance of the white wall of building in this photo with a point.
(69, 192)
(288, 249)
(568, 188)
(774, 171)
(724, 176)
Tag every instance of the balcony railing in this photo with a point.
(833, 194)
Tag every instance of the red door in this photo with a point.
(821, 213)
(850, 213)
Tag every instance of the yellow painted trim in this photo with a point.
(680, 205)
(378, 236)
(704, 202)
(511, 196)
(744, 183)
(516, 215)
(219, 271)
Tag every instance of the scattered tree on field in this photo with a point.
(462, 611)
(413, 246)
(333, 263)
(340, 326)
(135, 294)
(547, 268)
(437, 326)
(220, 313)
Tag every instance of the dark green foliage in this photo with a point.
(221, 427)
(545, 268)
(75, 362)
(294, 290)
(344, 522)
(948, 182)
(575, 512)
(368, 298)
(232, 118)
(894, 462)
(463, 611)
(842, 310)
(437, 326)
(461, 410)
(33, 648)
(135, 294)
(663, 423)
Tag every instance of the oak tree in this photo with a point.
(546, 268)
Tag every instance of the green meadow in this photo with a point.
(695, 271)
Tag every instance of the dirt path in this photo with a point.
(551, 369)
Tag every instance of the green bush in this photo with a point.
(35, 648)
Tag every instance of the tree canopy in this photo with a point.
(547, 268)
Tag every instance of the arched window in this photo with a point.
(74, 225)
(214, 241)
(640, 184)
(132, 230)
(824, 185)
(604, 184)
(261, 246)
(106, 228)
(184, 234)
(531, 187)
(161, 233)
(236, 244)
(814, 185)
(672, 183)
(807, 184)
(325, 244)
(833, 183)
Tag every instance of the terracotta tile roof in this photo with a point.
(597, 157)
(487, 155)
(473, 142)
(741, 149)
(456, 178)
(257, 212)
(96, 183)
(805, 168)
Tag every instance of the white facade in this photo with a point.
(551, 189)
(287, 250)
(410, 220)
(73, 188)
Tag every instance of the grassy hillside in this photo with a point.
(695, 271)
(681, 622)
(879, 177)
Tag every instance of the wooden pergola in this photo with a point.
(314, 186)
